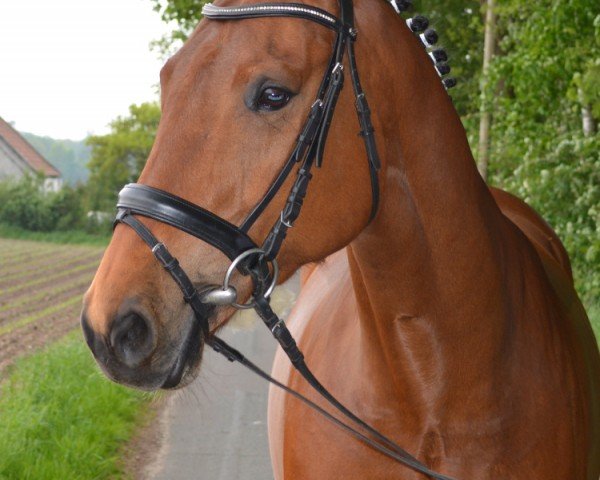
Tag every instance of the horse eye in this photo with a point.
(272, 99)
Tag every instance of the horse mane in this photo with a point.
(419, 25)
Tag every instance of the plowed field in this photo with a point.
(41, 287)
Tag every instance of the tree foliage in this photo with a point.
(546, 71)
(545, 75)
(68, 156)
(118, 157)
(185, 14)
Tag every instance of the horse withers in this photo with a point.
(448, 321)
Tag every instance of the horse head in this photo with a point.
(233, 100)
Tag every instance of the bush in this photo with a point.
(25, 204)
(66, 207)
(561, 180)
(22, 204)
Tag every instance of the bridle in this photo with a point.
(248, 258)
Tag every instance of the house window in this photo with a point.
(52, 184)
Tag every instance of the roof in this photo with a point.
(24, 149)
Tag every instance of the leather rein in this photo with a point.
(247, 257)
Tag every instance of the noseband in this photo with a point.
(247, 257)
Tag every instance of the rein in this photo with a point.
(260, 262)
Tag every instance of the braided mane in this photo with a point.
(419, 25)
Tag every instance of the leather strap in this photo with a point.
(330, 102)
(282, 335)
(234, 355)
(347, 12)
(329, 91)
(261, 10)
(179, 213)
(303, 144)
(171, 265)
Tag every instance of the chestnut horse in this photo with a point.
(449, 322)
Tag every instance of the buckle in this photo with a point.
(337, 68)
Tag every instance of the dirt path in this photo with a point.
(216, 428)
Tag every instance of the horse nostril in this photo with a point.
(131, 339)
(94, 341)
(88, 333)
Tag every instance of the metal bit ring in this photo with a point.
(234, 265)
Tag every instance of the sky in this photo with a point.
(69, 67)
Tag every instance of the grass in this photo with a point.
(67, 237)
(61, 419)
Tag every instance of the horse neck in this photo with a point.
(427, 271)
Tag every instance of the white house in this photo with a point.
(18, 158)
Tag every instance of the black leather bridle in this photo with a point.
(247, 257)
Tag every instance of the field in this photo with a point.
(59, 416)
(41, 287)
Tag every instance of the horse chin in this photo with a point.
(182, 377)
(187, 363)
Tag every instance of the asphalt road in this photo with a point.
(216, 429)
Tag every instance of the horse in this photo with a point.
(446, 317)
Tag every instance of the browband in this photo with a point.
(260, 10)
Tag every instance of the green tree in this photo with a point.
(118, 157)
(23, 204)
(548, 71)
(184, 13)
(68, 156)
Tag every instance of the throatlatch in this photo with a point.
(260, 262)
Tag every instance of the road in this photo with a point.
(216, 429)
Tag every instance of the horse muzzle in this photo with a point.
(130, 352)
